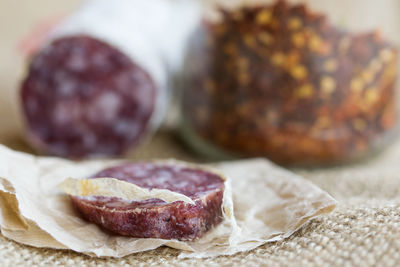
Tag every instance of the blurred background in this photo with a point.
(19, 18)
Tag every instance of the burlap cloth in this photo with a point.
(364, 230)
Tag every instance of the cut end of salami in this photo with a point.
(84, 98)
(154, 218)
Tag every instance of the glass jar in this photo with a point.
(300, 82)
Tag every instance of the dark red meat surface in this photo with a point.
(84, 98)
(154, 218)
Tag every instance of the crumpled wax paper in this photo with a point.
(269, 204)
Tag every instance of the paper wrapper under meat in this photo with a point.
(270, 204)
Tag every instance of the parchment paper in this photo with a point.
(111, 187)
(269, 205)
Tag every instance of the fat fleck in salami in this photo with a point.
(99, 84)
(154, 218)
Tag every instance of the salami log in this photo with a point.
(99, 83)
(84, 97)
(155, 218)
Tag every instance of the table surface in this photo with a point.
(364, 230)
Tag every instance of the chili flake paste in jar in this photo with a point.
(282, 81)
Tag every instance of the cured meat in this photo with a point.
(83, 97)
(99, 81)
(154, 218)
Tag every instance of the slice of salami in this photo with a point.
(82, 97)
(154, 218)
